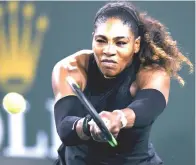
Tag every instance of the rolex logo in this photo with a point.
(21, 38)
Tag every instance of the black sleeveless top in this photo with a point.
(108, 95)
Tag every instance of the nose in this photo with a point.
(109, 50)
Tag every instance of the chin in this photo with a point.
(109, 74)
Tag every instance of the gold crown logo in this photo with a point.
(20, 48)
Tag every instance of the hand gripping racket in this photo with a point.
(106, 133)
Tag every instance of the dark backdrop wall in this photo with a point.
(64, 28)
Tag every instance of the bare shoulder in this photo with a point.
(80, 58)
(154, 77)
(152, 73)
(74, 65)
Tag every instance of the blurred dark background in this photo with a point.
(30, 137)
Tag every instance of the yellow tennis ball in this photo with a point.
(14, 103)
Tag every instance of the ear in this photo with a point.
(137, 44)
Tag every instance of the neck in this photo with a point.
(106, 77)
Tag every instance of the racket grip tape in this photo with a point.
(86, 126)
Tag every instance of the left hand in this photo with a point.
(112, 121)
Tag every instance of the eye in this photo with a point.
(100, 41)
(121, 43)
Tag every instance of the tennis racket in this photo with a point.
(106, 133)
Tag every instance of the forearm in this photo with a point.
(145, 108)
(68, 111)
(67, 132)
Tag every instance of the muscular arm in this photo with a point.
(74, 65)
(150, 99)
(68, 109)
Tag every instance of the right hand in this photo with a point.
(112, 121)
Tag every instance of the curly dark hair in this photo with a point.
(157, 45)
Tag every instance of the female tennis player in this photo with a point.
(126, 76)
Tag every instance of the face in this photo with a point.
(114, 46)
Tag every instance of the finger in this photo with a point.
(96, 133)
(112, 127)
(96, 130)
(107, 123)
(96, 136)
(91, 122)
(93, 130)
(94, 125)
(104, 114)
(102, 137)
(115, 135)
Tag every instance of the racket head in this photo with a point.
(77, 90)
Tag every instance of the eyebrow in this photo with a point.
(115, 38)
